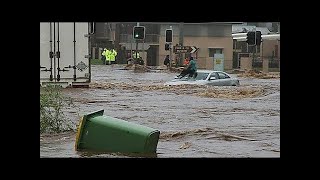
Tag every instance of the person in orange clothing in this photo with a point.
(186, 61)
(185, 69)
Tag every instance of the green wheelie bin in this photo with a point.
(97, 132)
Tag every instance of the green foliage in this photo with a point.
(97, 62)
(52, 102)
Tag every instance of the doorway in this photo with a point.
(152, 55)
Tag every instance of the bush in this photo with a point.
(52, 102)
(97, 62)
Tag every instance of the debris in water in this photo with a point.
(179, 134)
(259, 74)
(197, 90)
(229, 136)
(185, 145)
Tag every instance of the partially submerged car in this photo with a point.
(207, 77)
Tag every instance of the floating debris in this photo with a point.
(186, 145)
(259, 74)
(196, 90)
(179, 134)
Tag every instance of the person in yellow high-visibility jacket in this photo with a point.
(106, 53)
(113, 54)
(109, 52)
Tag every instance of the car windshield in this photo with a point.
(202, 76)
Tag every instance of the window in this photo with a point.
(202, 76)
(242, 45)
(214, 75)
(213, 51)
(223, 75)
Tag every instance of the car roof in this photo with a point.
(207, 71)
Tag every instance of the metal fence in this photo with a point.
(273, 62)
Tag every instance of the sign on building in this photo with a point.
(218, 62)
(185, 49)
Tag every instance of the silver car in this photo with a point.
(207, 77)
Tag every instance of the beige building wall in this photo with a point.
(268, 46)
(162, 51)
(265, 65)
(203, 43)
(279, 49)
(246, 63)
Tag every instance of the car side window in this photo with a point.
(213, 76)
(205, 76)
(202, 76)
(223, 75)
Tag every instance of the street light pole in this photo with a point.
(170, 49)
(180, 41)
(255, 44)
(170, 55)
(138, 24)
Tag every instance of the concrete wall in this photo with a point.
(268, 46)
(279, 49)
(207, 30)
(202, 55)
(202, 36)
(246, 63)
(204, 43)
(162, 51)
(265, 65)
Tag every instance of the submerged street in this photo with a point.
(194, 121)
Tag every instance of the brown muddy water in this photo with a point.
(194, 121)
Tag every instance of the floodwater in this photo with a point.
(193, 121)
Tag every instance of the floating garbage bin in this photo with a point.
(103, 133)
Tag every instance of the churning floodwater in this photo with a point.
(194, 121)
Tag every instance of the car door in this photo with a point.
(213, 79)
(224, 79)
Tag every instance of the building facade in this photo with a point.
(208, 38)
(268, 50)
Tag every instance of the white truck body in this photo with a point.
(65, 54)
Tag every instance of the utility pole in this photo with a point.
(170, 49)
(136, 48)
(138, 24)
(137, 43)
(117, 41)
(131, 41)
(255, 44)
(180, 41)
(170, 56)
(145, 64)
